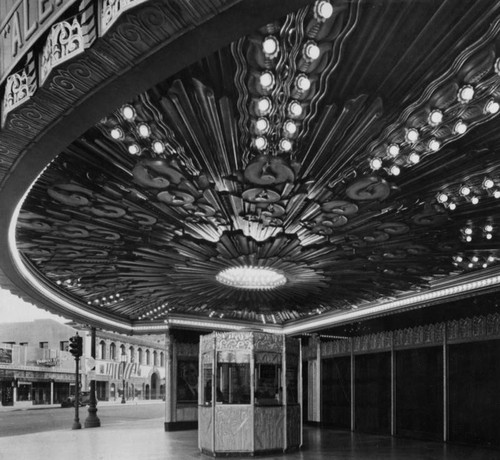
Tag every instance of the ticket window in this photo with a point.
(233, 378)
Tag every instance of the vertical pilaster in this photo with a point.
(393, 387)
(445, 386)
(353, 388)
(317, 388)
(168, 379)
(51, 392)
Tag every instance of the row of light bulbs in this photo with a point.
(323, 10)
(469, 231)
(473, 262)
(106, 300)
(469, 194)
(156, 312)
(143, 131)
(412, 135)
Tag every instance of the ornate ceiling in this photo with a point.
(351, 147)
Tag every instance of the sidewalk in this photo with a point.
(99, 403)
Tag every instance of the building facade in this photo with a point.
(37, 368)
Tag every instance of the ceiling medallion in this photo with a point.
(248, 277)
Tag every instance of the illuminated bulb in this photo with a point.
(295, 109)
(144, 130)
(290, 127)
(262, 125)
(452, 206)
(128, 112)
(474, 200)
(460, 127)
(474, 259)
(303, 83)
(466, 93)
(158, 147)
(393, 150)
(414, 158)
(464, 190)
(470, 265)
(285, 145)
(375, 164)
(116, 133)
(488, 228)
(324, 10)
(248, 277)
(496, 194)
(442, 198)
(492, 107)
(468, 239)
(485, 265)
(468, 231)
(260, 143)
(434, 145)
(435, 117)
(459, 258)
(270, 45)
(264, 105)
(266, 79)
(489, 236)
(394, 170)
(311, 51)
(491, 259)
(412, 135)
(133, 149)
(488, 183)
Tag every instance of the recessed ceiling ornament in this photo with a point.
(248, 277)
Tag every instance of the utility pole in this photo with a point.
(92, 420)
(76, 348)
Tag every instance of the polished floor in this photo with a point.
(146, 440)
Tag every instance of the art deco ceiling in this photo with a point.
(352, 148)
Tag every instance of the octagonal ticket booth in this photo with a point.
(250, 393)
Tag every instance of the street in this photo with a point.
(20, 422)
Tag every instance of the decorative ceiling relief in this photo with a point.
(280, 178)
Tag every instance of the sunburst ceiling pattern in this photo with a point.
(358, 168)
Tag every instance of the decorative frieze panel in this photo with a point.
(111, 11)
(19, 87)
(432, 334)
(381, 341)
(267, 342)
(66, 40)
(335, 347)
(234, 341)
(478, 327)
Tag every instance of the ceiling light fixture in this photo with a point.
(492, 107)
(375, 163)
(144, 130)
(412, 135)
(128, 112)
(414, 158)
(435, 117)
(266, 80)
(311, 51)
(262, 125)
(249, 277)
(295, 109)
(290, 127)
(158, 147)
(260, 143)
(270, 46)
(302, 82)
(264, 105)
(323, 10)
(434, 145)
(285, 145)
(134, 149)
(460, 127)
(393, 150)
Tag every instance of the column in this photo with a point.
(92, 421)
(51, 392)
(168, 381)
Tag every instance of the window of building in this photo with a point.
(112, 351)
(162, 359)
(147, 358)
(155, 358)
(102, 349)
(122, 351)
(131, 352)
(44, 344)
(64, 345)
(139, 355)
(23, 344)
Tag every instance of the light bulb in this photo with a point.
(117, 133)
(489, 236)
(128, 112)
(303, 83)
(492, 107)
(468, 231)
(270, 45)
(442, 198)
(311, 51)
(324, 10)
(290, 127)
(464, 190)
(262, 124)
(434, 145)
(412, 135)
(375, 163)
(285, 145)
(393, 150)
(158, 147)
(266, 80)
(488, 228)
(474, 200)
(394, 170)
(414, 158)
(435, 117)
(465, 93)
(452, 206)
(260, 143)
(144, 130)
(295, 109)
(488, 183)
(264, 105)
(460, 127)
(133, 149)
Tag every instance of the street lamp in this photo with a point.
(123, 362)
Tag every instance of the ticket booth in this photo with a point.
(250, 399)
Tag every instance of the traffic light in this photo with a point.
(75, 346)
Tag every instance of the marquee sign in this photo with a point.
(23, 25)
